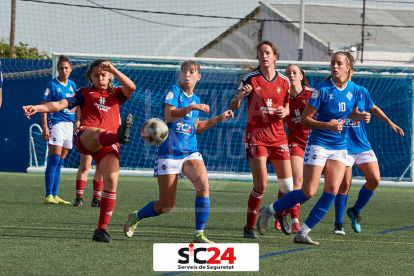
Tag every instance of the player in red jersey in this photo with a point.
(265, 139)
(98, 133)
(297, 134)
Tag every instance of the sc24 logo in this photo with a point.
(217, 258)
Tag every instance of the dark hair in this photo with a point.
(304, 81)
(250, 67)
(97, 63)
(349, 60)
(191, 63)
(63, 58)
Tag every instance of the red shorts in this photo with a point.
(277, 152)
(296, 148)
(100, 154)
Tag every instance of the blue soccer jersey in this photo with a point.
(181, 141)
(357, 133)
(56, 91)
(332, 103)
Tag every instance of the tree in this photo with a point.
(23, 51)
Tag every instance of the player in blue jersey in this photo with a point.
(361, 154)
(57, 129)
(1, 84)
(179, 155)
(329, 107)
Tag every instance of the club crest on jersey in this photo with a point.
(101, 105)
(349, 96)
(315, 94)
(169, 96)
(278, 90)
(304, 101)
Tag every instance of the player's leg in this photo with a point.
(372, 176)
(53, 162)
(109, 166)
(259, 172)
(297, 175)
(341, 199)
(284, 174)
(196, 172)
(167, 185)
(97, 188)
(57, 177)
(82, 178)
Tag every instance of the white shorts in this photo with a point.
(317, 155)
(61, 134)
(361, 158)
(173, 166)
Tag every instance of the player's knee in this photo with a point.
(201, 184)
(373, 182)
(84, 167)
(286, 185)
(167, 207)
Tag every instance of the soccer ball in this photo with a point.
(154, 131)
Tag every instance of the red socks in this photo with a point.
(279, 195)
(294, 211)
(107, 206)
(253, 207)
(97, 188)
(107, 138)
(80, 186)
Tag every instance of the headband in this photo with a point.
(342, 53)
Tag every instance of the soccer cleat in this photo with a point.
(200, 238)
(355, 219)
(50, 200)
(263, 219)
(249, 233)
(123, 129)
(78, 202)
(61, 201)
(303, 238)
(101, 236)
(96, 202)
(284, 224)
(131, 224)
(295, 227)
(277, 225)
(339, 229)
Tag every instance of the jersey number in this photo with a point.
(342, 107)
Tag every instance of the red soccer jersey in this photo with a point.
(99, 108)
(296, 132)
(263, 126)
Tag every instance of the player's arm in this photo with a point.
(128, 87)
(49, 107)
(308, 121)
(172, 114)
(78, 114)
(360, 116)
(377, 112)
(45, 129)
(243, 93)
(202, 126)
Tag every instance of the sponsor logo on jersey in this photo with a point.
(297, 112)
(169, 96)
(269, 109)
(284, 147)
(349, 95)
(47, 92)
(269, 102)
(315, 94)
(101, 105)
(183, 128)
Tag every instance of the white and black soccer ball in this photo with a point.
(154, 131)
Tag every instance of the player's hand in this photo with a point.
(335, 126)
(226, 115)
(245, 91)
(282, 112)
(107, 66)
(397, 129)
(366, 116)
(29, 110)
(45, 134)
(201, 107)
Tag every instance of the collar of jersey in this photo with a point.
(338, 87)
(62, 83)
(184, 92)
(298, 95)
(277, 74)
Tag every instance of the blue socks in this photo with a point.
(147, 211)
(289, 200)
(57, 178)
(50, 173)
(202, 210)
(320, 209)
(363, 198)
(340, 206)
